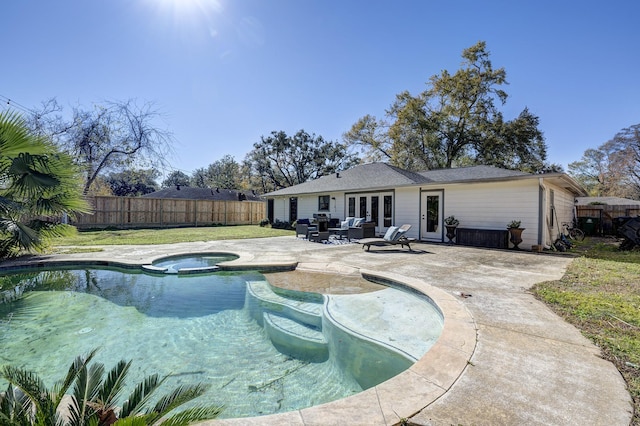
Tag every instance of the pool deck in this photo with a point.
(504, 358)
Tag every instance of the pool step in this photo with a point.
(261, 298)
(294, 339)
(294, 326)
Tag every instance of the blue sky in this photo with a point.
(226, 72)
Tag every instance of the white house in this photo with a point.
(484, 199)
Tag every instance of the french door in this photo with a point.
(374, 207)
(431, 216)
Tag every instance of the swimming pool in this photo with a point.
(197, 328)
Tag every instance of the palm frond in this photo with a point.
(141, 395)
(193, 415)
(179, 396)
(15, 137)
(86, 389)
(7, 205)
(114, 383)
(35, 390)
(15, 407)
(19, 234)
(75, 368)
(27, 381)
(132, 421)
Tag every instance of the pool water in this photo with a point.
(194, 328)
(201, 261)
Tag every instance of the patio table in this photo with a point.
(338, 231)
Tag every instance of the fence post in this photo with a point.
(195, 213)
(122, 211)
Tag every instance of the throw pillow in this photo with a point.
(391, 233)
(399, 234)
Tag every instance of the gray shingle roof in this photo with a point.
(191, 193)
(470, 173)
(611, 201)
(362, 177)
(382, 176)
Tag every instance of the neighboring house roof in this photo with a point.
(610, 201)
(377, 176)
(191, 193)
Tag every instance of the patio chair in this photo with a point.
(303, 227)
(394, 236)
(361, 229)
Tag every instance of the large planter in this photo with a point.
(515, 236)
(451, 232)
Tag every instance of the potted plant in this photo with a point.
(451, 223)
(515, 233)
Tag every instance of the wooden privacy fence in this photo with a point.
(598, 219)
(137, 212)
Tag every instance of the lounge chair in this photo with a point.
(394, 236)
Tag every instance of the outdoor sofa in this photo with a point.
(357, 228)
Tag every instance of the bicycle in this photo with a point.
(572, 231)
(562, 243)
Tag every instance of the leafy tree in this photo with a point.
(133, 183)
(27, 401)
(629, 141)
(279, 161)
(200, 178)
(38, 184)
(612, 168)
(112, 137)
(99, 187)
(176, 178)
(455, 121)
(224, 173)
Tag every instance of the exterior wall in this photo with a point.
(407, 209)
(564, 211)
(494, 205)
(308, 206)
(484, 205)
(280, 208)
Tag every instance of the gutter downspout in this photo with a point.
(541, 210)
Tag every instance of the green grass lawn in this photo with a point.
(167, 236)
(600, 295)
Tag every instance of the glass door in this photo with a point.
(376, 208)
(431, 216)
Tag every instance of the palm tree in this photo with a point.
(37, 182)
(27, 401)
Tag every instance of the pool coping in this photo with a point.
(390, 402)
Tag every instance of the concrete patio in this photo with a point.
(505, 358)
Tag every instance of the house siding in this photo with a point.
(407, 209)
(308, 206)
(494, 205)
(564, 203)
(488, 204)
